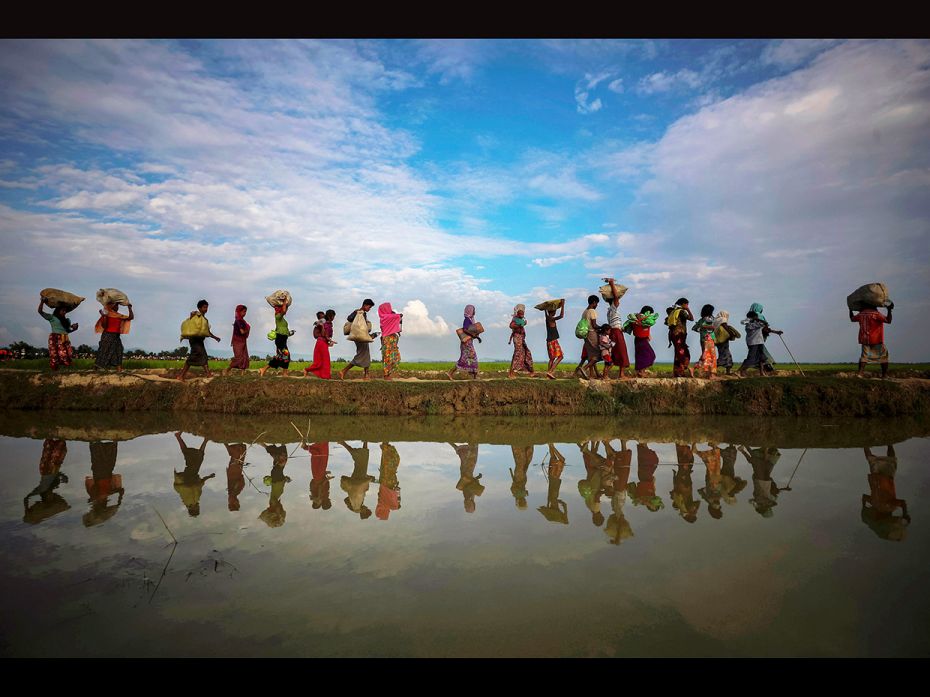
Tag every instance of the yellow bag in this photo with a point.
(195, 326)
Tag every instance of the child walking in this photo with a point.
(552, 339)
(755, 341)
(705, 329)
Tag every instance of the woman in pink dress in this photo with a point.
(324, 339)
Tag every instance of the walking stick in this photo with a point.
(788, 487)
(791, 354)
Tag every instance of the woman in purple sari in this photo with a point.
(468, 358)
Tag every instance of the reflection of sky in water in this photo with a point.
(434, 579)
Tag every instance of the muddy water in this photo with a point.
(520, 537)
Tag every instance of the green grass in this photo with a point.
(41, 364)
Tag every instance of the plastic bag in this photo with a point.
(278, 298)
(106, 296)
(55, 298)
(582, 328)
(195, 326)
(870, 294)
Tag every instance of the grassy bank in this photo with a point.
(785, 396)
(416, 369)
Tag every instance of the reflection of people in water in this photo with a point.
(764, 490)
(712, 492)
(731, 485)
(357, 485)
(388, 486)
(879, 506)
(275, 515)
(468, 483)
(596, 467)
(522, 457)
(235, 478)
(555, 510)
(682, 492)
(621, 461)
(50, 477)
(102, 484)
(643, 492)
(320, 475)
(189, 483)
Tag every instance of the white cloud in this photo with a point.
(665, 81)
(616, 86)
(815, 182)
(417, 321)
(791, 53)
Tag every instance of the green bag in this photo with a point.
(582, 328)
(272, 335)
(721, 335)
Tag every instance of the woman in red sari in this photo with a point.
(324, 339)
(240, 348)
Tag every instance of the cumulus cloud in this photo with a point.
(790, 53)
(417, 321)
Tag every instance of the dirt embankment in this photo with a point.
(789, 396)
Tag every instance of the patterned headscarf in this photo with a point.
(519, 308)
(722, 317)
(470, 312)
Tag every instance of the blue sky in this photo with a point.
(436, 173)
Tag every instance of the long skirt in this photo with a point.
(390, 354)
(709, 356)
(282, 357)
(60, 350)
(110, 351)
(468, 358)
(619, 355)
(756, 357)
(724, 357)
(198, 354)
(682, 355)
(321, 365)
(240, 354)
(645, 355)
(362, 356)
(522, 356)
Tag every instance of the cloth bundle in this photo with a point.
(105, 296)
(608, 295)
(55, 298)
(549, 305)
(279, 298)
(870, 294)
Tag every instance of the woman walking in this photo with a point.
(362, 357)
(60, 350)
(522, 356)
(705, 329)
(282, 356)
(111, 326)
(768, 362)
(468, 357)
(723, 334)
(390, 334)
(321, 366)
(240, 348)
(677, 321)
(640, 325)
